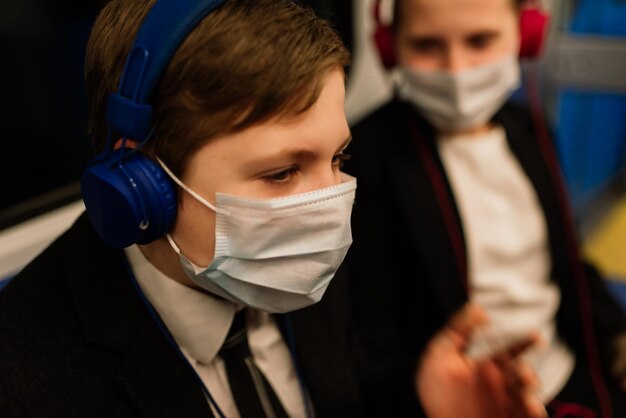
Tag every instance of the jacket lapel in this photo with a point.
(158, 382)
(319, 336)
(419, 205)
(113, 317)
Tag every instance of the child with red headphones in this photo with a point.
(460, 199)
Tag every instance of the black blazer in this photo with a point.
(76, 341)
(408, 259)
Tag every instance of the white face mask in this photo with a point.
(457, 101)
(276, 255)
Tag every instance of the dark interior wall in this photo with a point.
(42, 106)
(42, 111)
(339, 12)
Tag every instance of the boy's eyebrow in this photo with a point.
(304, 153)
(270, 159)
(309, 153)
(483, 32)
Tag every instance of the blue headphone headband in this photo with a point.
(128, 197)
(164, 29)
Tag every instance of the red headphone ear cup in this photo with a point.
(383, 38)
(384, 43)
(533, 25)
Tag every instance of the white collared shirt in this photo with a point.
(200, 322)
(508, 255)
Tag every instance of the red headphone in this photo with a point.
(533, 24)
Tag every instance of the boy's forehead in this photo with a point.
(453, 17)
(319, 128)
(437, 5)
(433, 11)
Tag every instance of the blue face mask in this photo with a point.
(276, 255)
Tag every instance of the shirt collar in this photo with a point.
(198, 321)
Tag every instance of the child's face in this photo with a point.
(455, 35)
(273, 159)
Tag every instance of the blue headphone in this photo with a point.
(129, 198)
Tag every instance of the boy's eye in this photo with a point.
(281, 177)
(426, 45)
(339, 159)
(482, 40)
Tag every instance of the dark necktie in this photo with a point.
(253, 394)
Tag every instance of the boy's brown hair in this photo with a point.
(248, 62)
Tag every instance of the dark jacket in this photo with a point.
(77, 341)
(408, 260)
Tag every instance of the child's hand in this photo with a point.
(452, 384)
(618, 367)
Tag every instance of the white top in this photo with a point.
(508, 256)
(200, 322)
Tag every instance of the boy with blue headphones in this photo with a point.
(216, 213)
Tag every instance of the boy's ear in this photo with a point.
(132, 144)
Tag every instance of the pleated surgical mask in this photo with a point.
(457, 101)
(276, 255)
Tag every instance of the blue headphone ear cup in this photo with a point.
(129, 203)
(159, 196)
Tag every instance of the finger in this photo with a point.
(531, 407)
(520, 375)
(513, 351)
(618, 368)
(461, 326)
(522, 386)
(528, 405)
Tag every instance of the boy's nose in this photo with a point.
(455, 59)
(326, 178)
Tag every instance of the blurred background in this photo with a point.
(582, 82)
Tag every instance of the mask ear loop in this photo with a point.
(191, 192)
(175, 247)
(201, 199)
